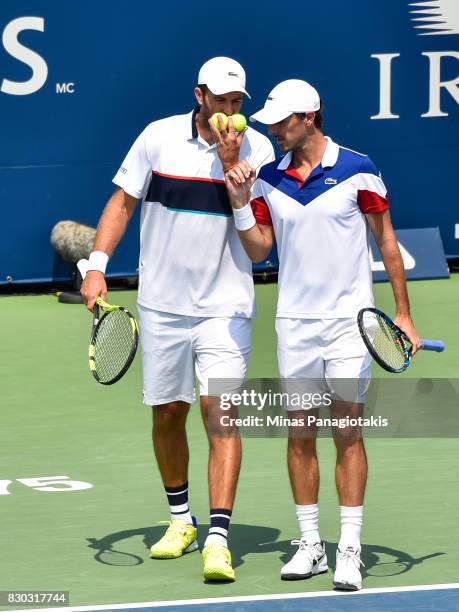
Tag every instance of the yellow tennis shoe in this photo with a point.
(180, 538)
(217, 563)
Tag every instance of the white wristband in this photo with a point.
(98, 260)
(82, 266)
(243, 218)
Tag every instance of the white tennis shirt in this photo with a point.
(321, 231)
(191, 259)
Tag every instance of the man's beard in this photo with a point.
(204, 114)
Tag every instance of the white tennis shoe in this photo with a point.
(347, 572)
(308, 560)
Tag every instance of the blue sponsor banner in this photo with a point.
(422, 252)
(73, 100)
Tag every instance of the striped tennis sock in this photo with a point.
(219, 525)
(178, 503)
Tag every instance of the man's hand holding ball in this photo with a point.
(221, 121)
(228, 133)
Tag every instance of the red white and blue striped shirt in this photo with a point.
(191, 259)
(321, 231)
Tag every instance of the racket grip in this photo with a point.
(95, 314)
(433, 345)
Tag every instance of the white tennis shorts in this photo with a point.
(176, 347)
(324, 351)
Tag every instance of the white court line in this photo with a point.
(215, 600)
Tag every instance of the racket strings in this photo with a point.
(385, 340)
(114, 344)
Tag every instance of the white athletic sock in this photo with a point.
(308, 520)
(351, 526)
(214, 537)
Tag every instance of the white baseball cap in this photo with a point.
(222, 75)
(288, 97)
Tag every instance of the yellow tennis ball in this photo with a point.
(216, 122)
(239, 122)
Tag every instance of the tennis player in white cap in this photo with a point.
(319, 199)
(196, 295)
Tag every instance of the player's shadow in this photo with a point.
(111, 549)
(379, 561)
(245, 539)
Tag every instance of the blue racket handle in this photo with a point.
(433, 345)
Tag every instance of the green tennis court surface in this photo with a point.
(93, 541)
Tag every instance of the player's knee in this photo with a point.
(302, 446)
(170, 416)
(224, 441)
(349, 442)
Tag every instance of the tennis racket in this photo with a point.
(386, 342)
(114, 340)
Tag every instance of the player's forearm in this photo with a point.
(255, 243)
(393, 263)
(113, 222)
